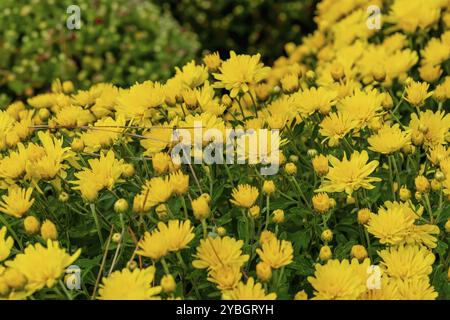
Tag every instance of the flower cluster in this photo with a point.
(359, 208)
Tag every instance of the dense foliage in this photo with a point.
(359, 207)
(119, 41)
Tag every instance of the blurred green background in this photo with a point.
(246, 26)
(124, 41)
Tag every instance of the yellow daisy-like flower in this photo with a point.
(212, 61)
(240, 72)
(104, 133)
(337, 281)
(104, 172)
(213, 253)
(435, 52)
(314, 99)
(153, 245)
(155, 191)
(13, 166)
(391, 226)
(191, 75)
(130, 285)
(388, 139)
(244, 195)
(350, 174)
(17, 202)
(248, 291)
(276, 253)
(415, 289)
(417, 93)
(6, 243)
(386, 291)
(157, 139)
(179, 182)
(177, 234)
(406, 262)
(226, 277)
(45, 100)
(336, 126)
(138, 101)
(48, 161)
(404, 14)
(438, 153)
(394, 225)
(6, 125)
(42, 266)
(362, 106)
(434, 126)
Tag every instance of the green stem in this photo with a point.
(254, 104)
(183, 202)
(230, 177)
(396, 169)
(205, 229)
(242, 110)
(94, 214)
(165, 266)
(428, 206)
(66, 292)
(267, 211)
(368, 243)
(180, 259)
(391, 179)
(302, 195)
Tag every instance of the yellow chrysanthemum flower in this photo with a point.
(138, 101)
(415, 289)
(404, 14)
(153, 245)
(244, 195)
(213, 253)
(276, 253)
(130, 285)
(240, 72)
(386, 291)
(48, 162)
(406, 262)
(179, 182)
(191, 75)
(177, 234)
(391, 226)
(314, 99)
(42, 266)
(17, 202)
(104, 172)
(336, 126)
(388, 139)
(155, 191)
(437, 154)
(417, 93)
(212, 61)
(13, 166)
(362, 106)
(6, 125)
(348, 175)
(394, 225)
(337, 280)
(248, 291)
(225, 277)
(104, 133)
(73, 116)
(435, 52)
(434, 126)
(6, 243)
